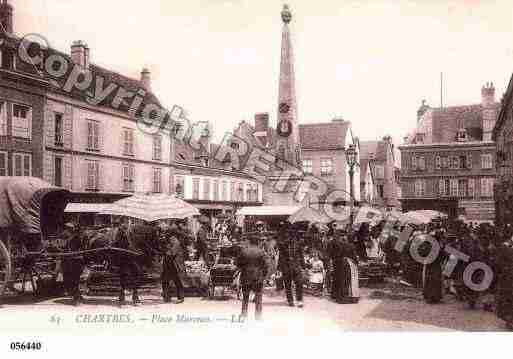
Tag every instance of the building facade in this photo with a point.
(503, 137)
(54, 124)
(380, 155)
(448, 162)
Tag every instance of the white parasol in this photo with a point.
(152, 207)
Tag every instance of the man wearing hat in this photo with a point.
(291, 262)
(72, 267)
(252, 264)
(173, 265)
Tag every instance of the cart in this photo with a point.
(224, 272)
(31, 217)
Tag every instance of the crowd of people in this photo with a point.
(324, 258)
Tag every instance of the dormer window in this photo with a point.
(462, 135)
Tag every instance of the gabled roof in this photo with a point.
(324, 136)
(506, 100)
(378, 150)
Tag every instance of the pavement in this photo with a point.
(382, 308)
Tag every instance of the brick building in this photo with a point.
(503, 136)
(448, 162)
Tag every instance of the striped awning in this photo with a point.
(152, 207)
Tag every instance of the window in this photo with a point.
(445, 162)
(3, 119)
(455, 162)
(216, 190)
(157, 180)
(224, 189)
(180, 187)
(308, 166)
(59, 131)
(128, 177)
(469, 161)
(240, 192)
(93, 135)
(21, 121)
(22, 164)
(420, 188)
(487, 187)
(57, 171)
(256, 193)
(232, 191)
(463, 162)
(157, 148)
(381, 191)
(462, 188)
(4, 169)
(486, 161)
(422, 163)
(326, 167)
(471, 185)
(441, 187)
(380, 171)
(195, 188)
(128, 142)
(93, 175)
(438, 162)
(413, 163)
(206, 189)
(454, 187)
(249, 192)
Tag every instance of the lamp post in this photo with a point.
(351, 162)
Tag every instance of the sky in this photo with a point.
(370, 62)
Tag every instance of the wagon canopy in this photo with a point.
(28, 202)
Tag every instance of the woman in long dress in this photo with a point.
(347, 289)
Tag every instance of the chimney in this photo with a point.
(488, 94)
(80, 53)
(146, 79)
(261, 121)
(6, 17)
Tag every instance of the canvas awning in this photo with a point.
(86, 207)
(268, 211)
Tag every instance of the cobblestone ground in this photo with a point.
(383, 307)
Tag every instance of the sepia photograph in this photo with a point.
(227, 170)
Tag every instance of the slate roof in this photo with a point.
(378, 148)
(323, 136)
(109, 76)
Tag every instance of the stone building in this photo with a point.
(75, 124)
(503, 137)
(448, 162)
(380, 155)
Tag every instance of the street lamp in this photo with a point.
(351, 162)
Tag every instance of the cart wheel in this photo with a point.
(5, 268)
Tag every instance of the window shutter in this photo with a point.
(99, 173)
(3, 163)
(50, 127)
(471, 187)
(67, 127)
(441, 189)
(98, 138)
(90, 135)
(67, 172)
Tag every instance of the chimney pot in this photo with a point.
(80, 53)
(6, 17)
(146, 79)
(488, 94)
